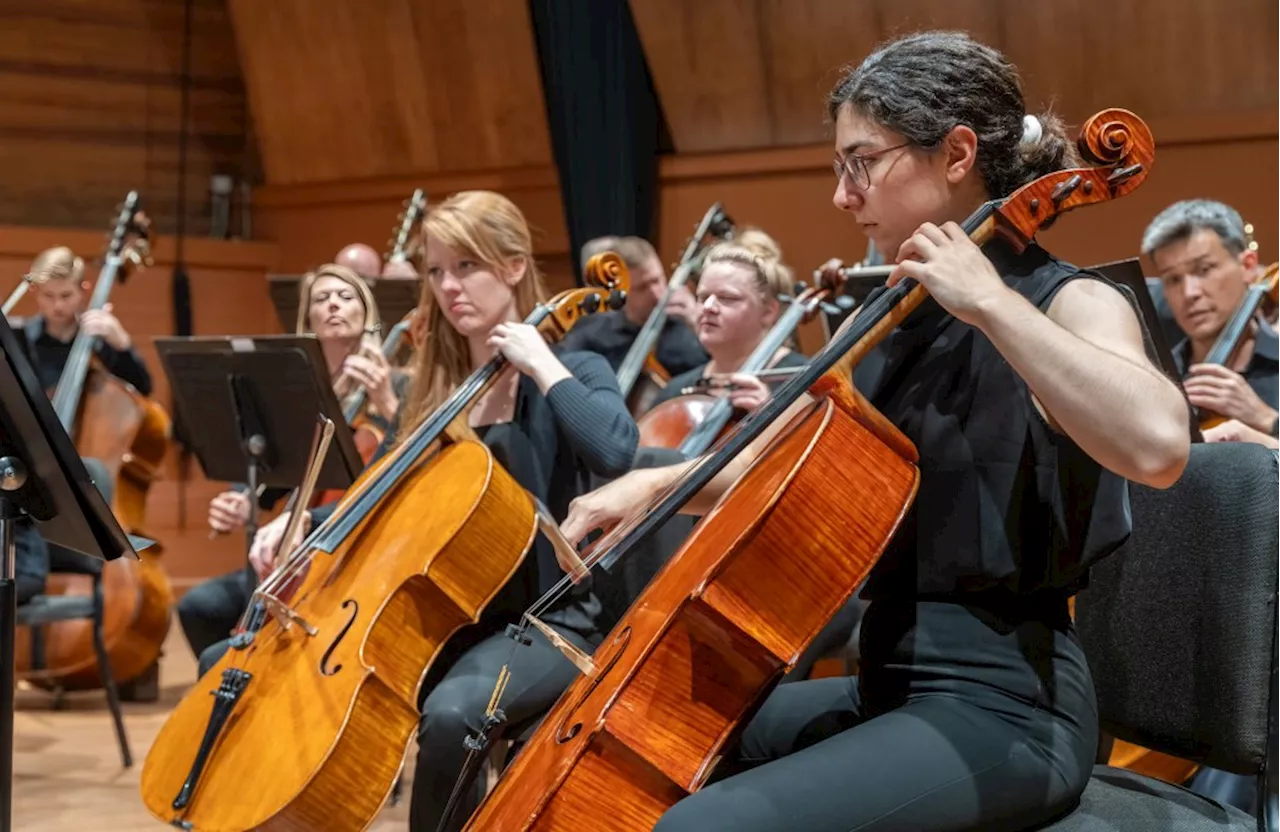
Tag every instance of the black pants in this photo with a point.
(213, 607)
(455, 705)
(963, 719)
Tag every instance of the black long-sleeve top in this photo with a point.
(557, 447)
(49, 356)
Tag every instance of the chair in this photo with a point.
(1180, 629)
(49, 609)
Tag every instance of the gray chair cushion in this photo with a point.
(1120, 801)
(46, 609)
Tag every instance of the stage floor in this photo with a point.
(67, 774)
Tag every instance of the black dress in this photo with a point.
(975, 708)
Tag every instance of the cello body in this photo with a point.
(323, 723)
(716, 629)
(668, 424)
(129, 434)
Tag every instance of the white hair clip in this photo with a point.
(1031, 130)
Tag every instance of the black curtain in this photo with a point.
(605, 121)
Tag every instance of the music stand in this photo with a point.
(396, 297)
(256, 399)
(42, 477)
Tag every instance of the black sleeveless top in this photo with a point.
(1005, 503)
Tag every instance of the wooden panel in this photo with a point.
(787, 191)
(736, 74)
(229, 296)
(363, 88)
(311, 223)
(90, 107)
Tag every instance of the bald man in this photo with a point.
(361, 259)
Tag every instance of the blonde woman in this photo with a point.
(336, 305)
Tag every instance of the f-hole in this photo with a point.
(324, 660)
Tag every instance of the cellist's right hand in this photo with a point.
(266, 543)
(605, 507)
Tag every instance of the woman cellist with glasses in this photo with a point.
(1024, 384)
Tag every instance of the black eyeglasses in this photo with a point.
(856, 165)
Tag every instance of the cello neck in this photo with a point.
(389, 347)
(704, 435)
(1237, 327)
(633, 364)
(713, 222)
(66, 397)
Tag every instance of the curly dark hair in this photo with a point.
(925, 84)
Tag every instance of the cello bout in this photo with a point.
(712, 633)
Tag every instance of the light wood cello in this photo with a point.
(640, 375)
(112, 422)
(646, 723)
(315, 704)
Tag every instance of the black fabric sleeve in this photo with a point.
(592, 415)
(127, 366)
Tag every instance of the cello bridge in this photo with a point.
(284, 614)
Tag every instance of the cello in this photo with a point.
(112, 422)
(646, 723)
(339, 638)
(641, 375)
(1239, 327)
(398, 265)
(368, 435)
(692, 422)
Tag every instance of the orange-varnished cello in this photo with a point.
(727, 616)
(305, 721)
(112, 422)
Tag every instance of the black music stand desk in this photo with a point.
(256, 400)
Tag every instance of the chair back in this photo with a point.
(1180, 623)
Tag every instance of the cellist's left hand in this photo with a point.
(370, 369)
(103, 324)
(952, 269)
(528, 352)
(1219, 390)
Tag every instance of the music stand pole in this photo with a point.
(256, 445)
(12, 477)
